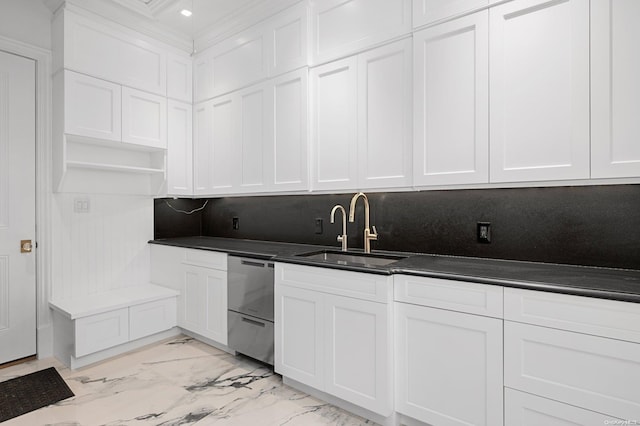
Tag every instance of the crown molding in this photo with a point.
(120, 12)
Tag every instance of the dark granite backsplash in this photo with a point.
(587, 225)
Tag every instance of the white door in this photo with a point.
(299, 334)
(179, 148)
(358, 352)
(451, 98)
(384, 116)
(334, 125)
(448, 366)
(144, 118)
(615, 104)
(17, 207)
(539, 90)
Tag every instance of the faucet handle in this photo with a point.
(374, 234)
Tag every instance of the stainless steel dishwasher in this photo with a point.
(250, 303)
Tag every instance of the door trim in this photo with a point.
(42, 57)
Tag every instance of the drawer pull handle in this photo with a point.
(249, 263)
(252, 322)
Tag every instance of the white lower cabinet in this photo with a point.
(200, 276)
(524, 409)
(590, 358)
(337, 344)
(299, 329)
(448, 366)
(203, 303)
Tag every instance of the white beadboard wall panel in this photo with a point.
(103, 249)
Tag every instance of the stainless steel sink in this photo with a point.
(346, 258)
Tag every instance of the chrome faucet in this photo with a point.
(368, 235)
(342, 238)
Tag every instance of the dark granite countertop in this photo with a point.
(616, 284)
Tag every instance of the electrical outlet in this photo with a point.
(318, 226)
(81, 205)
(484, 232)
(236, 223)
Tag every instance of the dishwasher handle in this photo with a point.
(252, 263)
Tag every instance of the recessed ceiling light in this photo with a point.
(186, 12)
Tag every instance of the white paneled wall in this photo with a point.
(103, 249)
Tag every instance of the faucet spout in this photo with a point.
(368, 235)
(342, 238)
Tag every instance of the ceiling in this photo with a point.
(206, 13)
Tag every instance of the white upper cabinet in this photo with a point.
(239, 61)
(384, 122)
(342, 27)
(179, 148)
(109, 51)
(288, 153)
(334, 125)
(223, 147)
(92, 107)
(361, 120)
(451, 102)
(615, 89)
(427, 11)
(253, 121)
(253, 140)
(144, 118)
(288, 34)
(267, 49)
(179, 78)
(539, 90)
(214, 146)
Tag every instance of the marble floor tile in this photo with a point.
(180, 381)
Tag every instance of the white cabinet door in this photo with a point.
(448, 366)
(426, 11)
(591, 372)
(215, 148)
(254, 118)
(223, 152)
(539, 90)
(451, 102)
(615, 89)
(288, 151)
(107, 50)
(202, 306)
(202, 77)
(179, 78)
(524, 409)
(334, 125)
(179, 149)
(201, 147)
(358, 352)
(299, 344)
(92, 107)
(144, 118)
(340, 27)
(384, 122)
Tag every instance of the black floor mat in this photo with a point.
(30, 392)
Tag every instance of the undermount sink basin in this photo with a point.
(346, 258)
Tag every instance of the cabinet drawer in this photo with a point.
(601, 317)
(205, 258)
(586, 371)
(524, 409)
(479, 299)
(153, 317)
(101, 331)
(376, 288)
